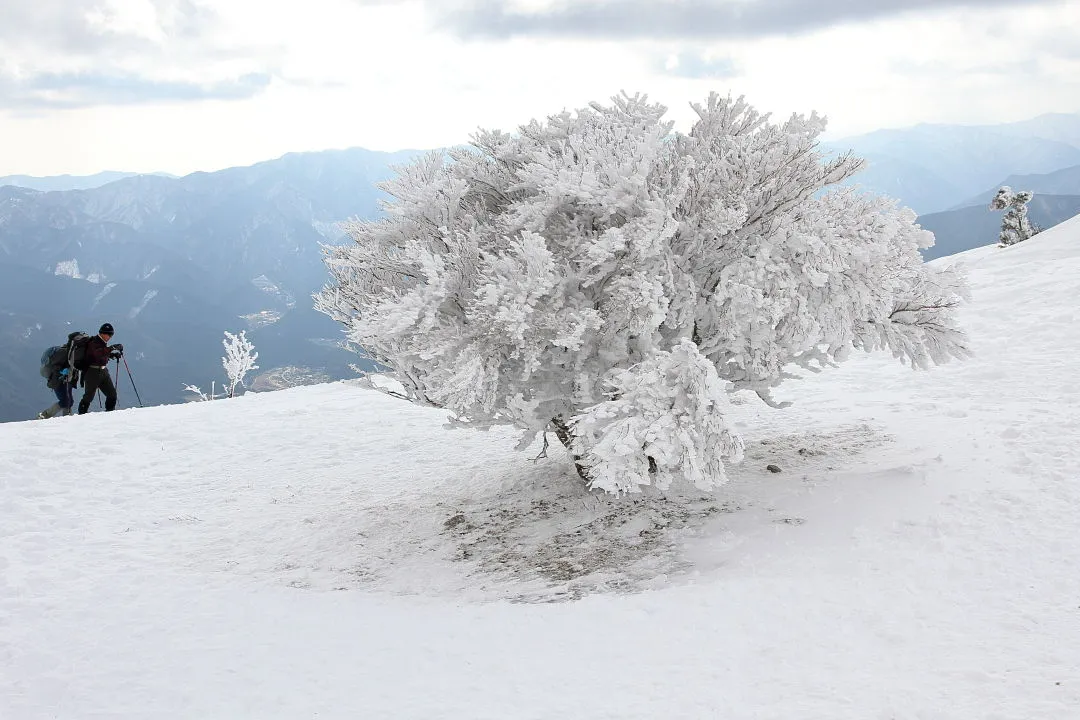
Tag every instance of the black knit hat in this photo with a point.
(106, 329)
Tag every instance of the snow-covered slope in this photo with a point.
(333, 552)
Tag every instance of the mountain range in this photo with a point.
(173, 262)
(1065, 181)
(69, 182)
(933, 168)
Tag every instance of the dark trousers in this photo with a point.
(64, 398)
(98, 379)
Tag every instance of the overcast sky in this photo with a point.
(184, 85)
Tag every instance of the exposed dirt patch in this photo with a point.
(544, 538)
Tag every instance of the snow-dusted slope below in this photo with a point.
(333, 552)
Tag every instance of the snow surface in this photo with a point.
(150, 295)
(263, 318)
(269, 287)
(333, 552)
(104, 291)
(70, 268)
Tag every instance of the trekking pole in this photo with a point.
(129, 378)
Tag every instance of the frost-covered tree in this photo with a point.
(238, 361)
(1014, 224)
(602, 277)
(197, 393)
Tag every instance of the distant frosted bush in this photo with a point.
(1015, 227)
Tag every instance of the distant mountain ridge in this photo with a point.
(931, 168)
(173, 262)
(1060, 182)
(68, 182)
(1061, 127)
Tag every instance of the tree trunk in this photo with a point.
(562, 431)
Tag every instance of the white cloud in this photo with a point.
(335, 73)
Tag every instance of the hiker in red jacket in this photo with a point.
(96, 376)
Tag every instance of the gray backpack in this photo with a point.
(58, 357)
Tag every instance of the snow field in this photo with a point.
(333, 552)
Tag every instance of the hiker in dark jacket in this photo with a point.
(62, 380)
(96, 376)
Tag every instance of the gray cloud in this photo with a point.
(58, 91)
(699, 19)
(68, 28)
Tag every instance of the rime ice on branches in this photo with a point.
(239, 359)
(603, 277)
